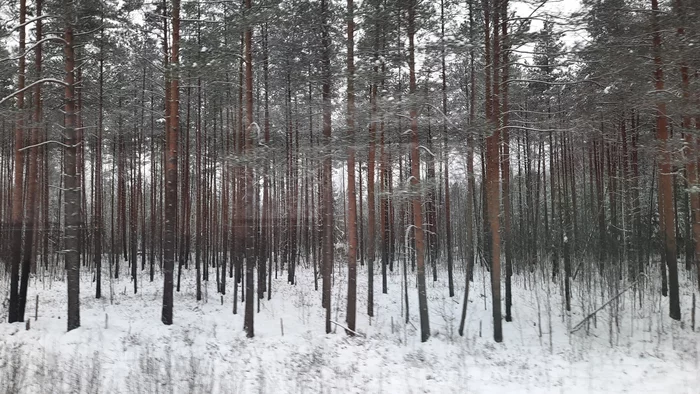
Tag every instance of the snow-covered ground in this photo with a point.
(124, 348)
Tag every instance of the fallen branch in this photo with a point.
(580, 324)
(347, 329)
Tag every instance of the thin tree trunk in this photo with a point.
(415, 180)
(371, 206)
(327, 204)
(249, 193)
(492, 175)
(505, 164)
(352, 197)
(448, 218)
(97, 215)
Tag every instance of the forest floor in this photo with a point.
(122, 347)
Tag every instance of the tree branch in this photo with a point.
(50, 142)
(31, 85)
(36, 44)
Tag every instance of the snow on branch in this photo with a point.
(31, 21)
(347, 329)
(36, 44)
(427, 150)
(49, 142)
(31, 85)
(554, 83)
(444, 116)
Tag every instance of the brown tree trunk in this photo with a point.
(32, 176)
(171, 170)
(665, 172)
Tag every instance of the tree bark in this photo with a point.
(17, 217)
(492, 176)
(32, 176)
(72, 195)
(327, 208)
(505, 164)
(415, 180)
(97, 215)
(249, 196)
(665, 172)
(352, 196)
(170, 223)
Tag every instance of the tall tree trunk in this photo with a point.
(72, 195)
(171, 170)
(199, 229)
(665, 172)
(327, 208)
(370, 196)
(695, 206)
(371, 206)
(249, 192)
(267, 203)
(470, 175)
(505, 163)
(32, 176)
(352, 197)
(690, 150)
(415, 180)
(492, 173)
(97, 215)
(565, 211)
(18, 185)
(446, 153)
(186, 198)
(133, 213)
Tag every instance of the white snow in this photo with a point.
(206, 351)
